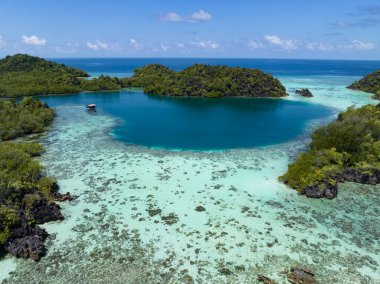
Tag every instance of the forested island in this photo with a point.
(369, 83)
(26, 195)
(25, 75)
(347, 149)
(206, 81)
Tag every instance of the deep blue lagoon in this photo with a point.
(217, 124)
(199, 123)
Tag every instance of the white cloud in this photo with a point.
(196, 17)
(135, 44)
(92, 46)
(255, 44)
(180, 45)
(171, 17)
(285, 44)
(320, 46)
(164, 46)
(33, 40)
(359, 45)
(200, 16)
(102, 45)
(206, 44)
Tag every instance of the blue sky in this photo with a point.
(331, 29)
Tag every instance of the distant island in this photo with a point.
(206, 81)
(347, 149)
(25, 75)
(369, 83)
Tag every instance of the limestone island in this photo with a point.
(25, 75)
(206, 81)
(347, 149)
(369, 83)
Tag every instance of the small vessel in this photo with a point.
(91, 106)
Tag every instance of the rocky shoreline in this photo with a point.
(27, 238)
(330, 190)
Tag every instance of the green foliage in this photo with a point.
(25, 75)
(207, 81)
(8, 218)
(21, 183)
(103, 83)
(19, 119)
(369, 83)
(352, 141)
(21, 179)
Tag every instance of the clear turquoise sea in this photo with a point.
(142, 164)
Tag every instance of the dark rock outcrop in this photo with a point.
(355, 175)
(266, 280)
(27, 241)
(42, 211)
(300, 275)
(305, 93)
(328, 191)
(61, 197)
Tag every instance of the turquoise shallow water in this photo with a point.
(134, 220)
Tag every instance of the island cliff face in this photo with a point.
(206, 81)
(347, 149)
(369, 83)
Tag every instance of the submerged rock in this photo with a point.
(200, 208)
(305, 93)
(266, 280)
(300, 275)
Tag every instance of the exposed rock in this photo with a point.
(43, 211)
(329, 191)
(300, 275)
(358, 176)
(305, 93)
(27, 241)
(62, 197)
(28, 247)
(266, 280)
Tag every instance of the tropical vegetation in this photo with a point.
(26, 117)
(24, 189)
(347, 149)
(206, 81)
(369, 83)
(25, 75)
